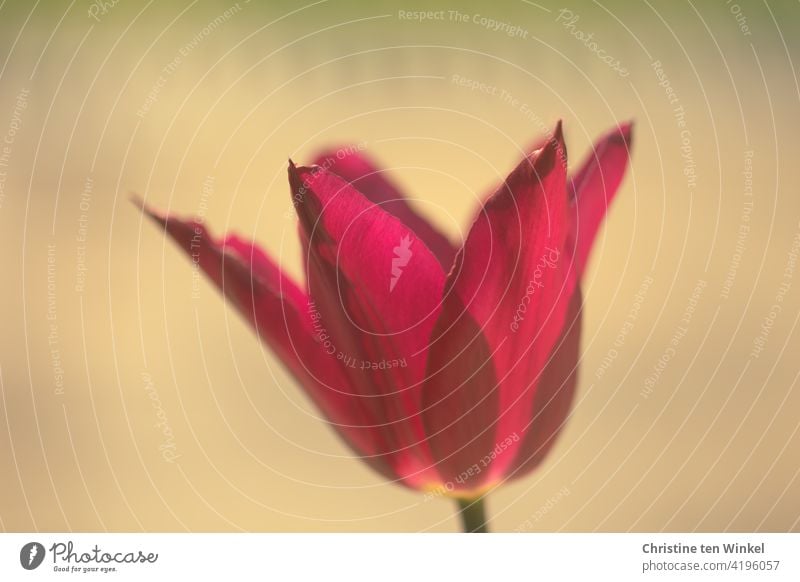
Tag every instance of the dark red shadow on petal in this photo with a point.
(555, 392)
(460, 399)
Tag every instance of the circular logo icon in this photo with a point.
(31, 555)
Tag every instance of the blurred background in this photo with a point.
(134, 399)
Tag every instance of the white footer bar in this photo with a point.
(389, 557)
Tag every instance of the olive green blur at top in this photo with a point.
(133, 398)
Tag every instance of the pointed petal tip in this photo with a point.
(295, 183)
(557, 136)
(137, 200)
(558, 131)
(295, 170)
(145, 208)
(544, 157)
(625, 132)
(558, 139)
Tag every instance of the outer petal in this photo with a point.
(378, 188)
(377, 288)
(515, 280)
(278, 310)
(591, 189)
(594, 187)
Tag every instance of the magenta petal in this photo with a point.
(373, 183)
(377, 289)
(277, 309)
(554, 394)
(593, 188)
(515, 279)
(460, 398)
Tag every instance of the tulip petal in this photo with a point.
(593, 188)
(555, 390)
(354, 167)
(278, 310)
(514, 278)
(378, 289)
(460, 398)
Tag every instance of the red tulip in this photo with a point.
(446, 369)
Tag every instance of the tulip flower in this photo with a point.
(447, 368)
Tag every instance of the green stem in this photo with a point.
(473, 515)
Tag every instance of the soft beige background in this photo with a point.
(714, 447)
